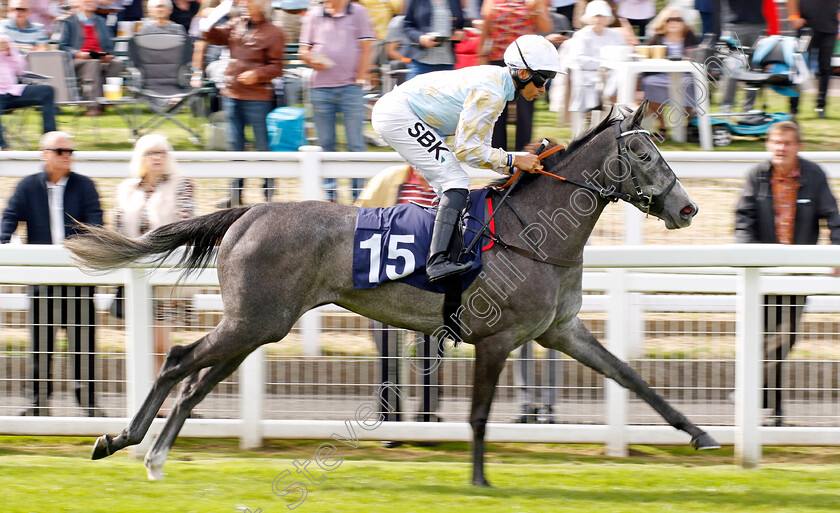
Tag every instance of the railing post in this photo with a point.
(617, 327)
(748, 343)
(634, 236)
(310, 173)
(310, 332)
(138, 347)
(251, 393)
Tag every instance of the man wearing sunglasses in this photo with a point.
(52, 203)
(465, 103)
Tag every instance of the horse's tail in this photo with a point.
(100, 249)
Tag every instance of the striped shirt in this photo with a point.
(30, 35)
(413, 191)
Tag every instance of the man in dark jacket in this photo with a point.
(783, 202)
(87, 39)
(821, 17)
(51, 203)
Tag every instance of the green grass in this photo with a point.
(54, 474)
(110, 131)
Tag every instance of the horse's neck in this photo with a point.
(566, 212)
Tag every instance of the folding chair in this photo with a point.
(163, 64)
(59, 66)
(15, 118)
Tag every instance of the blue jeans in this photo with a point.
(241, 113)
(327, 102)
(418, 68)
(42, 95)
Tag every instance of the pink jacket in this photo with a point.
(11, 66)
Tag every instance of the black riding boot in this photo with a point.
(440, 264)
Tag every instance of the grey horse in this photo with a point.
(277, 261)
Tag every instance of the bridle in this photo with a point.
(652, 203)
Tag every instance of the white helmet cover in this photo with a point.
(538, 54)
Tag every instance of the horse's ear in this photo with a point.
(639, 115)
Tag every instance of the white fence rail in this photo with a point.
(615, 271)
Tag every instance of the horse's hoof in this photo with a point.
(101, 448)
(154, 473)
(704, 442)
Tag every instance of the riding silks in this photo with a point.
(392, 244)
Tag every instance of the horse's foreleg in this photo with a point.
(194, 389)
(180, 362)
(576, 341)
(489, 363)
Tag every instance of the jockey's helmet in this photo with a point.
(537, 55)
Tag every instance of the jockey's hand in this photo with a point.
(529, 163)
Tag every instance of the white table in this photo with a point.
(628, 72)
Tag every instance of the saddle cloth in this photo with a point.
(392, 244)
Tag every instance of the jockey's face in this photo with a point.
(530, 92)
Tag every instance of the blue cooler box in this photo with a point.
(286, 130)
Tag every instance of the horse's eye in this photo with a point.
(641, 153)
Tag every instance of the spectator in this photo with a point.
(587, 83)
(13, 94)
(536, 400)
(52, 203)
(183, 11)
(821, 17)
(155, 196)
(564, 7)
(44, 12)
(159, 11)
(380, 13)
(85, 37)
(336, 41)
(23, 32)
(109, 11)
(288, 15)
(580, 11)
(710, 22)
(396, 47)
(783, 201)
(670, 30)
(502, 22)
(133, 11)
(433, 27)
(637, 12)
(394, 186)
(746, 22)
(465, 103)
(256, 57)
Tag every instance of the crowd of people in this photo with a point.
(242, 46)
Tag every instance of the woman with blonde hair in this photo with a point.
(156, 195)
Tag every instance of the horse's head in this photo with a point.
(642, 176)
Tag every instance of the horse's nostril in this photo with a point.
(688, 211)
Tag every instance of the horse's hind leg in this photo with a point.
(181, 361)
(576, 341)
(489, 362)
(193, 390)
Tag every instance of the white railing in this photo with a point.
(311, 164)
(617, 271)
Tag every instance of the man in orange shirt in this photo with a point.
(783, 202)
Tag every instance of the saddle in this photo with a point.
(392, 244)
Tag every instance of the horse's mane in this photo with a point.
(552, 161)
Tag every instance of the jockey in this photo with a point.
(415, 116)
